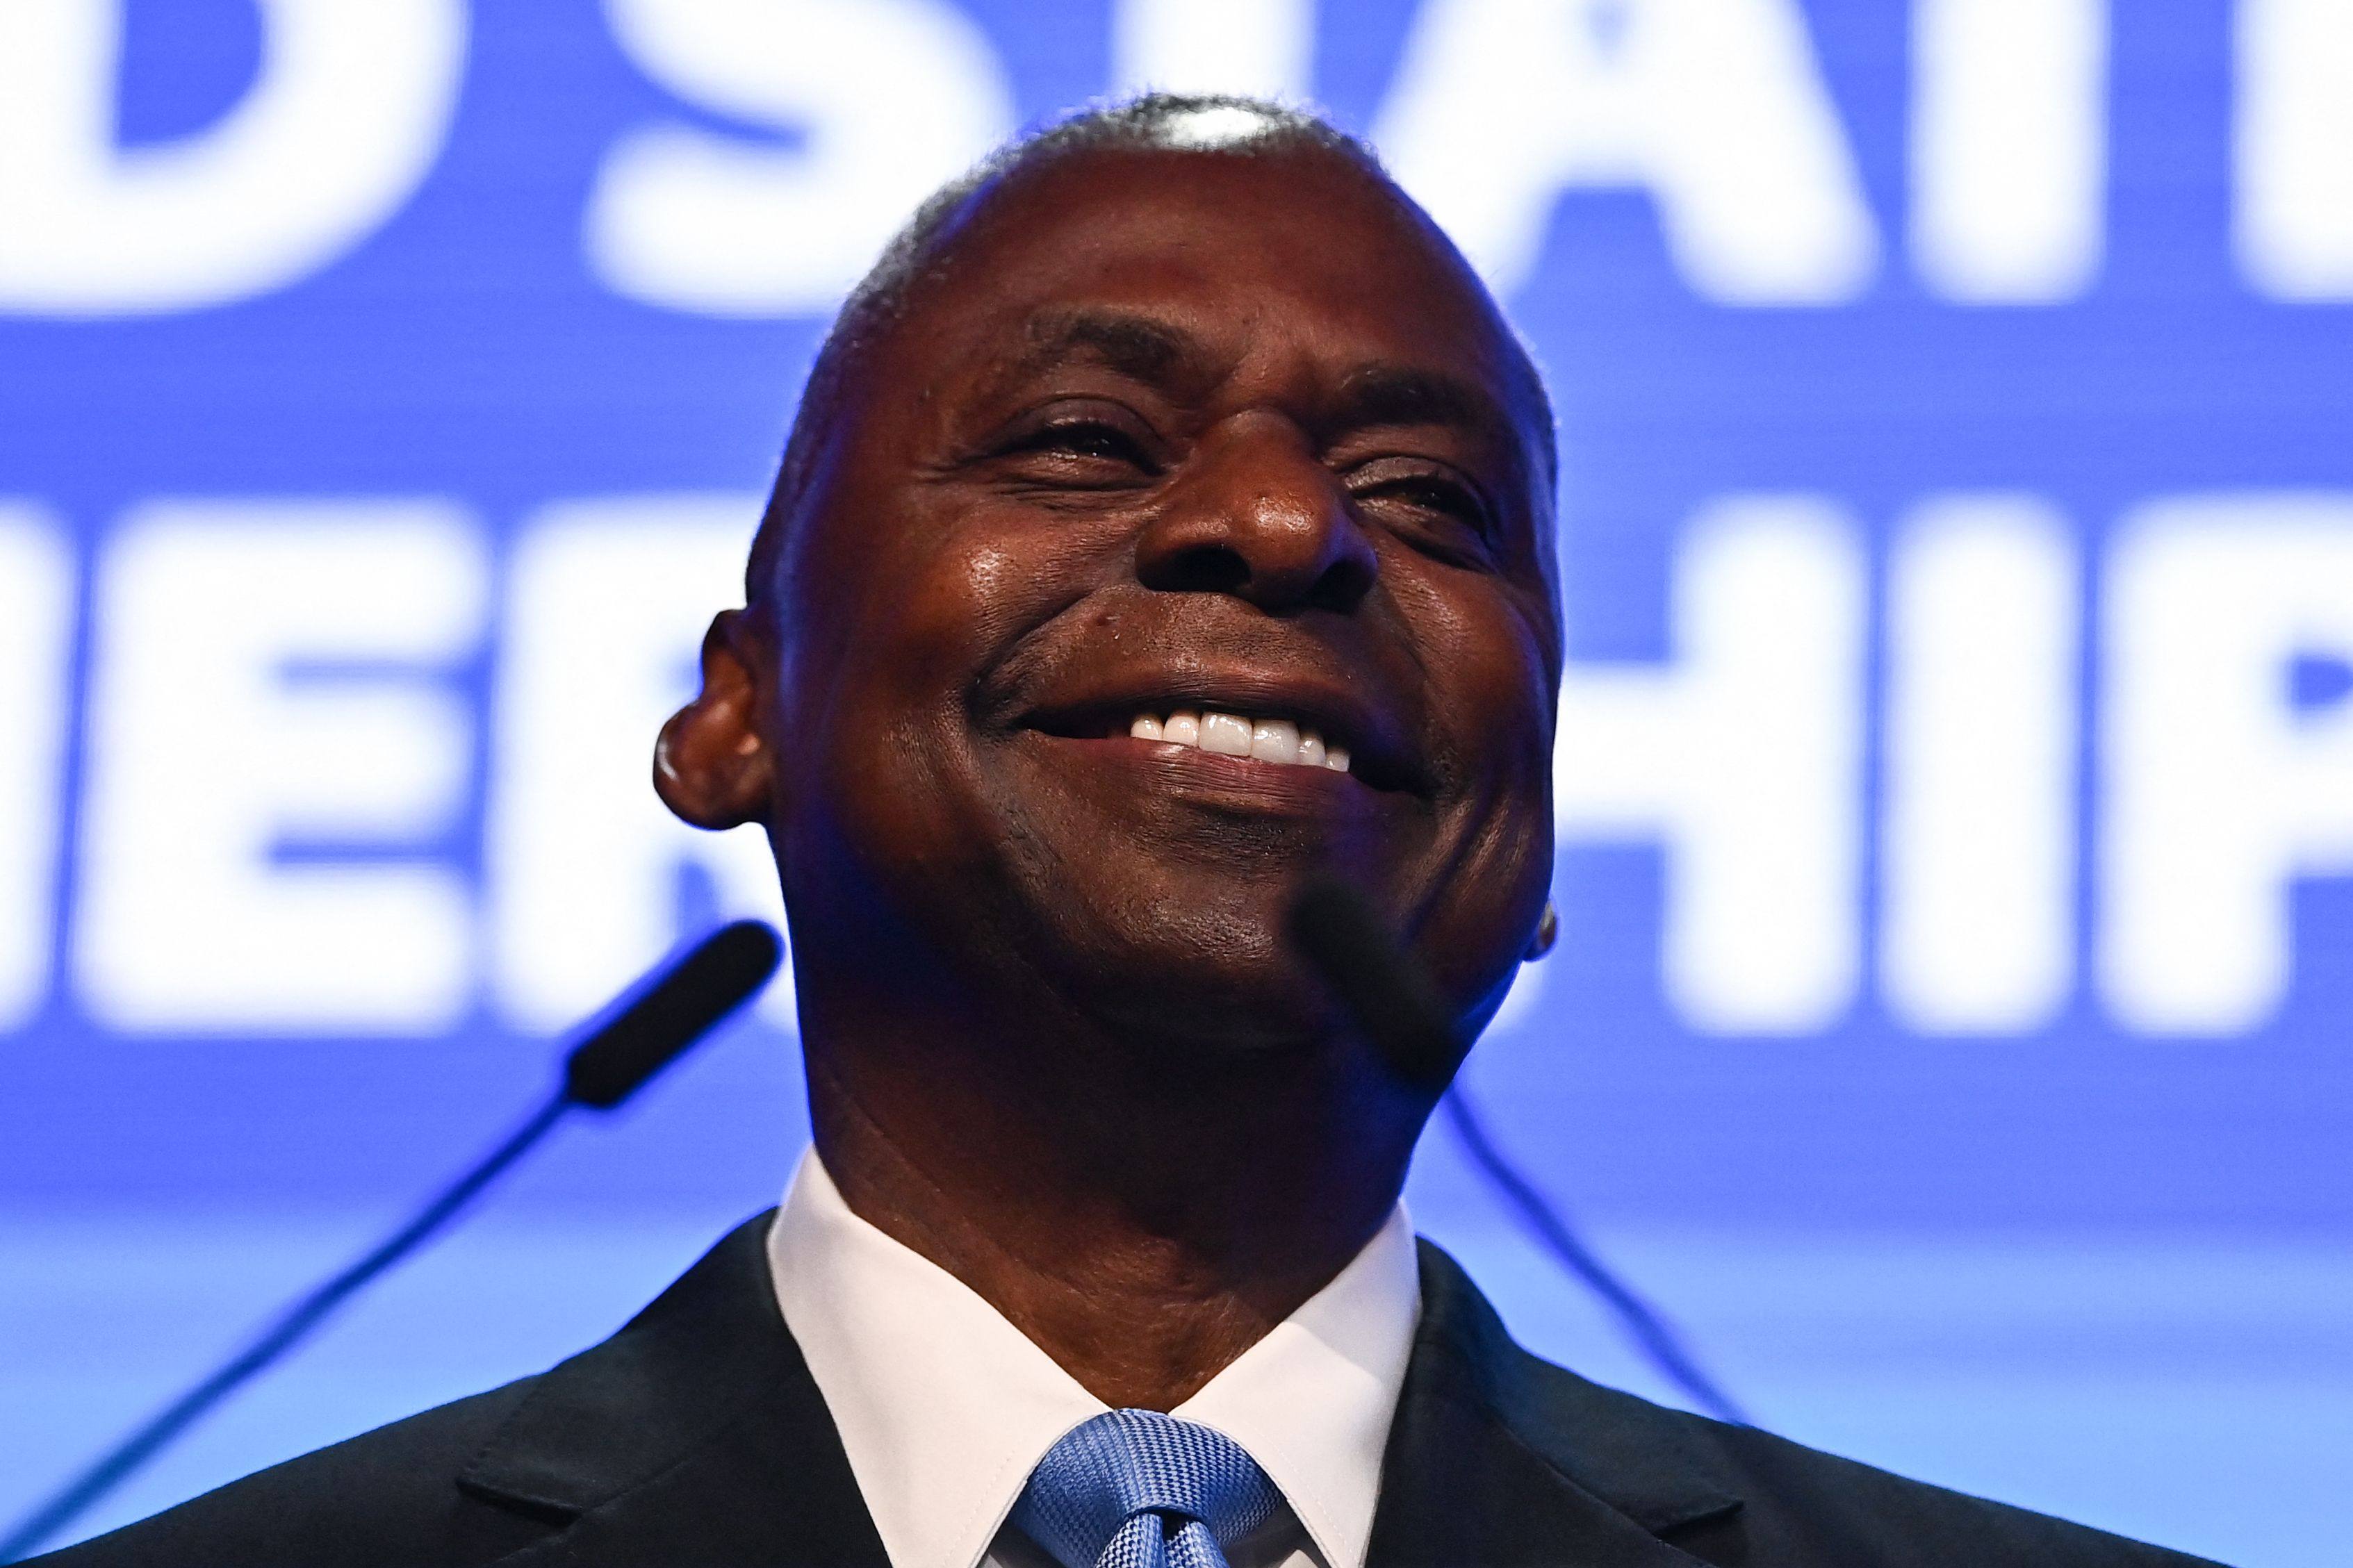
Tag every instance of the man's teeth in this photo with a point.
(1231, 735)
(1274, 741)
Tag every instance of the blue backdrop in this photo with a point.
(1955, 775)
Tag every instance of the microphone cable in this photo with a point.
(1391, 998)
(1642, 1323)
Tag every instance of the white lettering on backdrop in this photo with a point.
(606, 609)
(2294, 148)
(1742, 755)
(853, 109)
(210, 747)
(349, 111)
(37, 583)
(1977, 920)
(2219, 791)
(2009, 118)
(888, 99)
(1716, 108)
(270, 672)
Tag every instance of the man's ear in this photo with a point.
(711, 766)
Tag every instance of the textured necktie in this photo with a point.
(1135, 1488)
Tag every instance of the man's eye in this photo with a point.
(1087, 438)
(1430, 493)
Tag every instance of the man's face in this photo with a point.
(1176, 434)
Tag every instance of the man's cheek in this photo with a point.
(964, 610)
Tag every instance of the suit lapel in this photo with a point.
(1498, 1458)
(695, 1434)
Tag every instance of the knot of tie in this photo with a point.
(1135, 1488)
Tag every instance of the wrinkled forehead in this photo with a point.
(1300, 252)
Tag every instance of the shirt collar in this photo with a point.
(945, 1408)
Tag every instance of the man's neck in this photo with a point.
(1142, 1226)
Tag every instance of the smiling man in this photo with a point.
(1168, 519)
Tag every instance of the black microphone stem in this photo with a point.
(649, 1028)
(126, 1456)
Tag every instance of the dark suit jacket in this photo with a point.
(696, 1439)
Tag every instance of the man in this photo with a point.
(1168, 519)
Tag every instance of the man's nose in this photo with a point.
(1260, 518)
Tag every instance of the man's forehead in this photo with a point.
(1172, 268)
(1302, 221)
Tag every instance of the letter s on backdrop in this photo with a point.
(887, 99)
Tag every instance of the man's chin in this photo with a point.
(1247, 1029)
(1251, 1000)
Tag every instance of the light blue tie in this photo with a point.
(1135, 1488)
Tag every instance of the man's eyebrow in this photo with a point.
(1137, 347)
(1399, 395)
(1380, 395)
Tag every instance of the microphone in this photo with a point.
(1393, 1002)
(1386, 994)
(646, 1032)
(679, 1009)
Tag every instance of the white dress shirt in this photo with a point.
(944, 1407)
